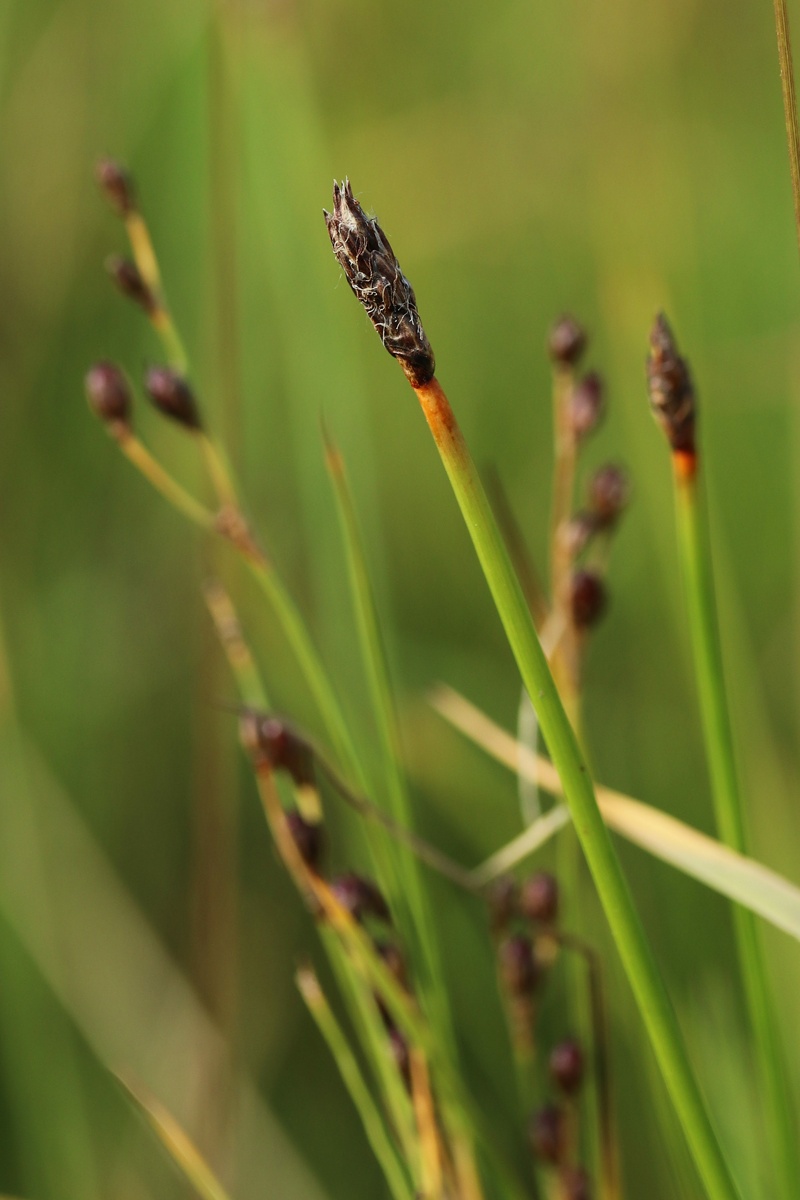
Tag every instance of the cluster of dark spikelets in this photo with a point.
(672, 396)
(373, 272)
(272, 740)
(108, 389)
(110, 396)
(608, 490)
(525, 923)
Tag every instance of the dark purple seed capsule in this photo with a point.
(518, 970)
(567, 1066)
(286, 750)
(172, 396)
(503, 900)
(128, 279)
(539, 898)
(307, 837)
(109, 393)
(116, 183)
(588, 598)
(566, 341)
(547, 1133)
(360, 897)
(609, 491)
(585, 405)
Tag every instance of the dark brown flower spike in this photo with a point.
(368, 261)
(672, 397)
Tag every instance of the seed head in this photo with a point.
(539, 898)
(567, 1066)
(109, 394)
(518, 968)
(368, 261)
(566, 341)
(115, 181)
(172, 396)
(128, 279)
(361, 897)
(609, 491)
(548, 1134)
(307, 837)
(585, 405)
(672, 397)
(588, 598)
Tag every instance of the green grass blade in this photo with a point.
(372, 1120)
(741, 879)
(695, 553)
(412, 893)
(634, 949)
(177, 1144)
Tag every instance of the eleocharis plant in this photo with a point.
(375, 277)
(674, 403)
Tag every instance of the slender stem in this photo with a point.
(162, 481)
(729, 810)
(789, 103)
(371, 1118)
(632, 944)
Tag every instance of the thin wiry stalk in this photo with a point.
(789, 103)
(729, 810)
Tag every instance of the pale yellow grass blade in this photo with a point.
(741, 879)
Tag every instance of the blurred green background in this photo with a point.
(609, 158)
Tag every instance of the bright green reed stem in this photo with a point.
(634, 950)
(718, 735)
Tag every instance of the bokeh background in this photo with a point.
(609, 158)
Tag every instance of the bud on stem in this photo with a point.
(672, 396)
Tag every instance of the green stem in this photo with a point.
(371, 1118)
(729, 811)
(629, 935)
(789, 102)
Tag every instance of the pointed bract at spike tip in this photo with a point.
(373, 272)
(672, 396)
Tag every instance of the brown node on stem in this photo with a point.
(548, 1134)
(519, 970)
(373, 272)
(585, 405)
(360, 897)
(274, 741)
(308, 837)
(672, 396)
(588, 598)
(109, 394)
(566, 341)
(117, 185)
(539, 898)
(127, 277)
(172, 396)
(609, 492)
(575, 1184)
(566, 1066)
